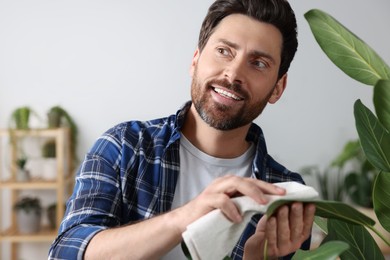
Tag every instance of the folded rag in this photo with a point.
(213, 236)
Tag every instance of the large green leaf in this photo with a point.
(381, 198)
(342, 211)
(382, 102)
(321, 223)
(374, 138)
(362, 245)
(331, 209)
(328, 251)
(346, 50)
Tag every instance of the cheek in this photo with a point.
(208, 67)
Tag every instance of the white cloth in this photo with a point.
(213, 236)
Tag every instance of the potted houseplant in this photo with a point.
(49, 163)
(52, 215)
(20, 118)
(28, 215)
(359, 61)
(22, 173)
(59, 117)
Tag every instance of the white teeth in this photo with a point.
(227, 94)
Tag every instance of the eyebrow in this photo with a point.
(253, 53)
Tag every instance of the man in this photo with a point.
(143, 183)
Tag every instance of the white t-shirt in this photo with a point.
(197, 171)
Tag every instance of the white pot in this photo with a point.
(23, 175)
(49, 169)
(28, 222)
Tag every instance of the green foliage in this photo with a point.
(49, 149)
(346, 50)
(28, 204)
(59, 117)
(359, 181)
(330, 250)
(361, 244)
(354, 57)
(330, 181)
(21, 162)
(350, 175)
(20, 118)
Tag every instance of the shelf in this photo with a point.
(13, 141)
(44, 235)
(38, 132)
(36, 184)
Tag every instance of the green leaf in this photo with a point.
(342, 211)
(358, 187)
(381, 198)
(330, 209)
(351, 150)
(328, 251)
(374, 138)
(346, 50)
(322, 224)
(382, 102)
(185, 250)
(362, 245)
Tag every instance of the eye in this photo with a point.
(260, 64)
(223, 51)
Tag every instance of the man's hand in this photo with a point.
(218, 196)
(281, 234)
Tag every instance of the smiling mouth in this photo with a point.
(226, 94)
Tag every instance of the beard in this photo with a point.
(219, 116)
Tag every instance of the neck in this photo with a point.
(214, 142)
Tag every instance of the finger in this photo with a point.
(262, 224)
(271, 234)
(256, 189)
(227, 207)
(308, 219)
(283, 235)
(296, 222)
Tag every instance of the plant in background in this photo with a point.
(21, 162)
(22, 174)
(29, 205)
(359, 61)
(49, 149)
(28, 214)
(20, 118)
(59, 117)
(329, 182)
(359, 180)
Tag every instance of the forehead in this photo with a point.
(248, 33)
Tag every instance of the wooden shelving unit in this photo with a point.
(60, 186)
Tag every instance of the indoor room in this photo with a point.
(72, 70)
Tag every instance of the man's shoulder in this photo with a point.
(162, 127)
(143, 129)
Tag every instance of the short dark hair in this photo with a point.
(276, 12)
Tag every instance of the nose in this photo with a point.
(235, 71)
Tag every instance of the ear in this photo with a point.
(278, 89)
(194, 62)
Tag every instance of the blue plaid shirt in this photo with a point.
(130, 174)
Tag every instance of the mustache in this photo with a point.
(235, 86)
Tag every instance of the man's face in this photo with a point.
(235, 75)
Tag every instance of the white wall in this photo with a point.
(110, 61)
